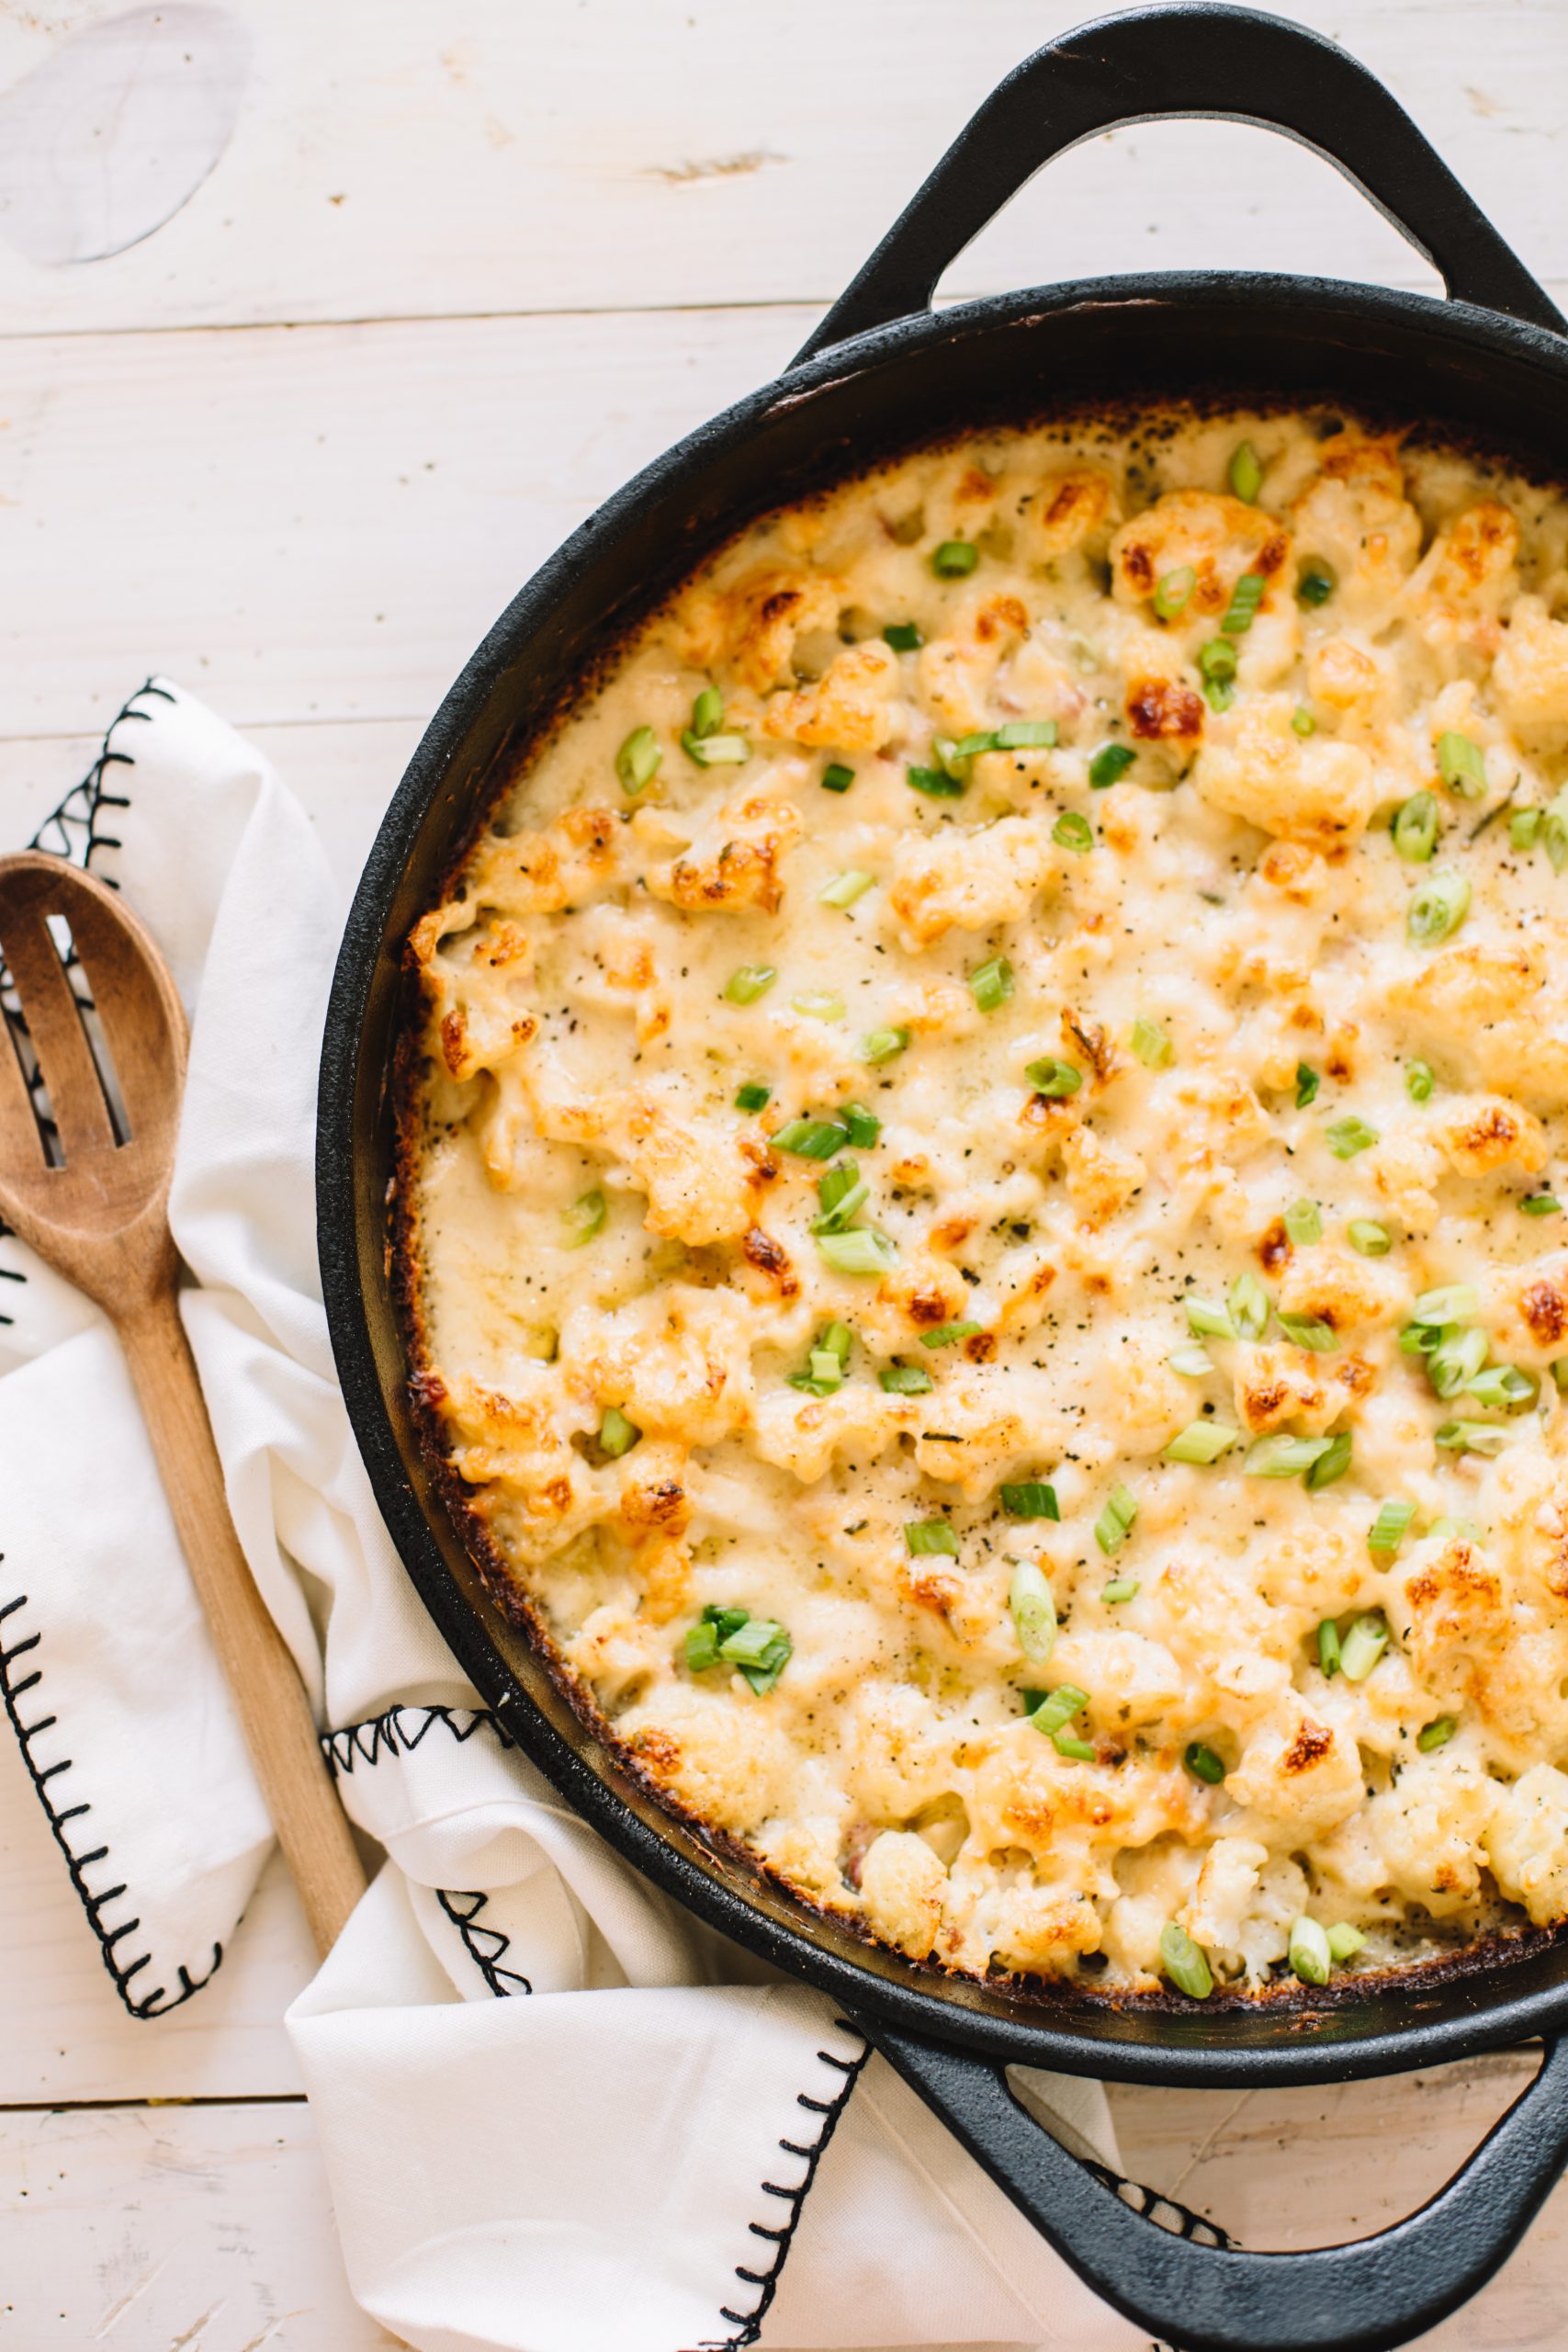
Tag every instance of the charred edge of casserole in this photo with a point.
(1110, 415)
(1110, 418)
(1500, 1947)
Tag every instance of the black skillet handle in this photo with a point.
(1359, 2298)
(1193, 57)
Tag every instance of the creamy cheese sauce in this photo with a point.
(1182, 1079)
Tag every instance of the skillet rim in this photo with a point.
(1175, 2045)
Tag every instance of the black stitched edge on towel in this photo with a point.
(74, 831)
(158, 2001)
(486, 1947)
(390, 1735)
(748, 2325)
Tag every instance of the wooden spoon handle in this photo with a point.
(311, 1827)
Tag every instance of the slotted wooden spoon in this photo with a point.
(95, 1205)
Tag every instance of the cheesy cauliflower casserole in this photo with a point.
(980, 1206)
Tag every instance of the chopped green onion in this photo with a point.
(1173, 590)
(1344, 1942)
(863, 1252)
(1283, 1457)
(1554, 830)
(837, 777)
(818, 1004)
(1456, 1358)
(1150, 1042)
(1114, 1524)
(935, 783)
(1540, 1204)
(1244, 473)
(1559, 1370)
(991, 983)
(824, 1372)
(1052, 1078)
(616, 1434)
(1057, 1709)
(1461, 766)
(837, 1341)
(1119, 1589)
(968, 747)
(1110, 765)
(1073, 832)
(584, 1219)
(1363, 1645)
(1201, 1442)
(1437, 908)
(1184, 1963)
(903, 637)
(1219, 694)
(1208, 1321)
(1307, 1084)
(1030, 1499)
(811, 1138)
(1246, 597)
(862, 1125)
(1523, 827)
(714, 1626)
(1304, 1223)
(1309, 1952)
(1388, 1531)
(1330, 1465)
(947, 1334)
(883, 1044)
(1347, 1137)
(1419, 1080)
(1301, 720)
(842, 1203)
(761, 1649)
(1369, 1238)
(905, 1379)
(1328, 1652)
(954, 560)
(1443, 1531)
(1504, 1388)
(637, 761)
(749, 982)
(1249, 1303)
(1217, 661)
(754, 1096)
(1202, 1763)
(1192, 1363)
(1437, 1733)
(928, 1537)
(1414, 828)
(1078, 1750)
(716, 751)
(1025, 735)
(1034, 1612)
(1310, 1331)
(843, 889)
(708, 712)
(1316, 582)
(1450, 1303)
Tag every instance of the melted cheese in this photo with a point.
(1243, 892)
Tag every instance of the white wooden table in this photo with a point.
(463, 264)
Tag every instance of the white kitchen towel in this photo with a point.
(556, 2115)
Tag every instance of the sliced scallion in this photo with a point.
(1246, 597)
(1025, 735)
(1244, 473)
(1249, 1303)
(947, 1335)
(843, 889)
(954, 560)
(1301, 720)
(1172, 591)
(1031, 1498)
(749, 982)
(903, 637)
(1192, 1363)
(616, 1434)
(1150, 1042)
(1304, 1223)
(637, 761)
(716, 751)
(1033, 1612)
(1388, 1531)
(1369, 1238)
(1419, 1080)
(1505, 1388)
(1539, 1204)
(1052, 1078)
(1202, 1763)
(1201, 1442)
(1329, 1657)
(1554, 830)
(1078, 1751)
(883, 1044)
(1309, 1952)
(1414, 828)
(928, 1538)
(1115, 1521)
(1448, 1303)
(1348, 1135)
(1280, 1457)
(1056, 1710)
(1119, 1589)
(1344, 1942)
(904, 1380)
(1461, 766)
(1456, 1360)
(1524, 825)
(1437, 1733)
(810, 1138)
(1362, 1647)
(1316, 582)
(1208, 1321)
(991, 983)
(1185, 1963)
(584, 1219)
(935, 783)
(754, 1096)
(708, 713)
(1310, 1331)
(837, 777)
(1110, 765)
(1437, 908)
(1307, 1084)
(818, 1004)
(1217, 660)
(1331, 1464)
(1073, 832)
(862, 1125)
(863, 1252)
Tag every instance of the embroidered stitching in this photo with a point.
(158, 2002)
(378, 1737)
(748, 2324)
(486, 1947)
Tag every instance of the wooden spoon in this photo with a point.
(93, 1201)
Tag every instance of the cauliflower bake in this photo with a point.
(980, 1209)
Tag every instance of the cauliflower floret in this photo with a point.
(1314, 789)
(1216, 537)
(1298, 1777)
(1356, 518)
(1430, 1830)
(754, 623)
(732, 1764)
(1530, 675)
(901, 1885)
(1101, 1177)
(971, 879)
(850, 707)
(1527, 1843)
(1481, 1133)
(957, 669)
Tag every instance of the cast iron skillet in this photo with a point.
(883, 371)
